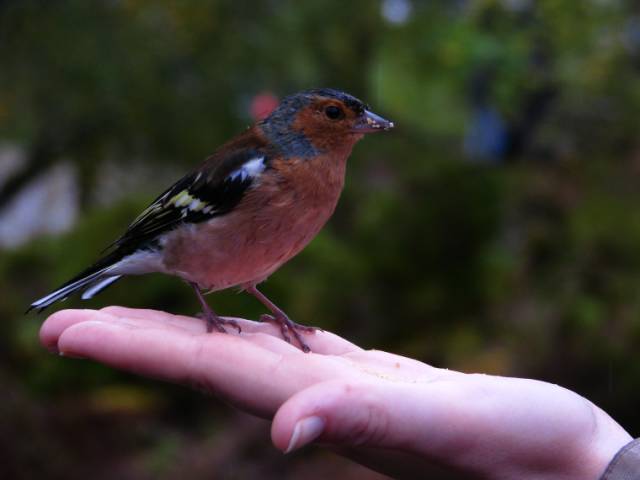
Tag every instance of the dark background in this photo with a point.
(494, 230)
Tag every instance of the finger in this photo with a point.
(157, 318)
(327, 343)
(150, 314)
(272, 343)
(59, 321)
(243, 372)
(397, 367)
(379, 414)
(222, 364)
(320, 341)
(53, 326)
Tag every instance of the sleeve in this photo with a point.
(626, 464)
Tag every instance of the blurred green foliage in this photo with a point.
(521, 258)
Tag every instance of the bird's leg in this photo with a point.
(286, 324)
(212, 319)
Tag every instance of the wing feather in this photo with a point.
(197, 197)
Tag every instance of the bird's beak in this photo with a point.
(370, 122)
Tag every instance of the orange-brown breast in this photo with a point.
(275, 220)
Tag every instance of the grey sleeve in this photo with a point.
(626, 464)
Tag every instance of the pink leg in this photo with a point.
(212, 319)
(286, 325)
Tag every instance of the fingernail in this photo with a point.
(305, 432)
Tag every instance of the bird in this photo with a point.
(251, 206)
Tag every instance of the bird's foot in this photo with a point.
(212, 318)
(288, 326)
(215, 322)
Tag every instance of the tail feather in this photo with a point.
(99, 286)
(94, 282)
(106, 271)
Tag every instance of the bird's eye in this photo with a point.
(333, 112)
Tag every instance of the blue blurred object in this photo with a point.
(486, 136)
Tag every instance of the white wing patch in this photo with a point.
(187, 202)
(190, 203)
(249, 169)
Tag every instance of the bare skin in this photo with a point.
(390, 413)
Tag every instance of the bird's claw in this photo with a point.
(233, 323)
(286, 325)
(216, 322)
(211, 325)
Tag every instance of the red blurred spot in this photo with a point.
(262, 105)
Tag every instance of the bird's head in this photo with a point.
(315, 121)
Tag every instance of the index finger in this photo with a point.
(321, 341)
(246, 374)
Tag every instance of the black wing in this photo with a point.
(196, 197)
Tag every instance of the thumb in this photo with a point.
(351, 413)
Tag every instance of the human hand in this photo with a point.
(390, 413)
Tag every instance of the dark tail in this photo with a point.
(91, 281)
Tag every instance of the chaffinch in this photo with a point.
(250, 207)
